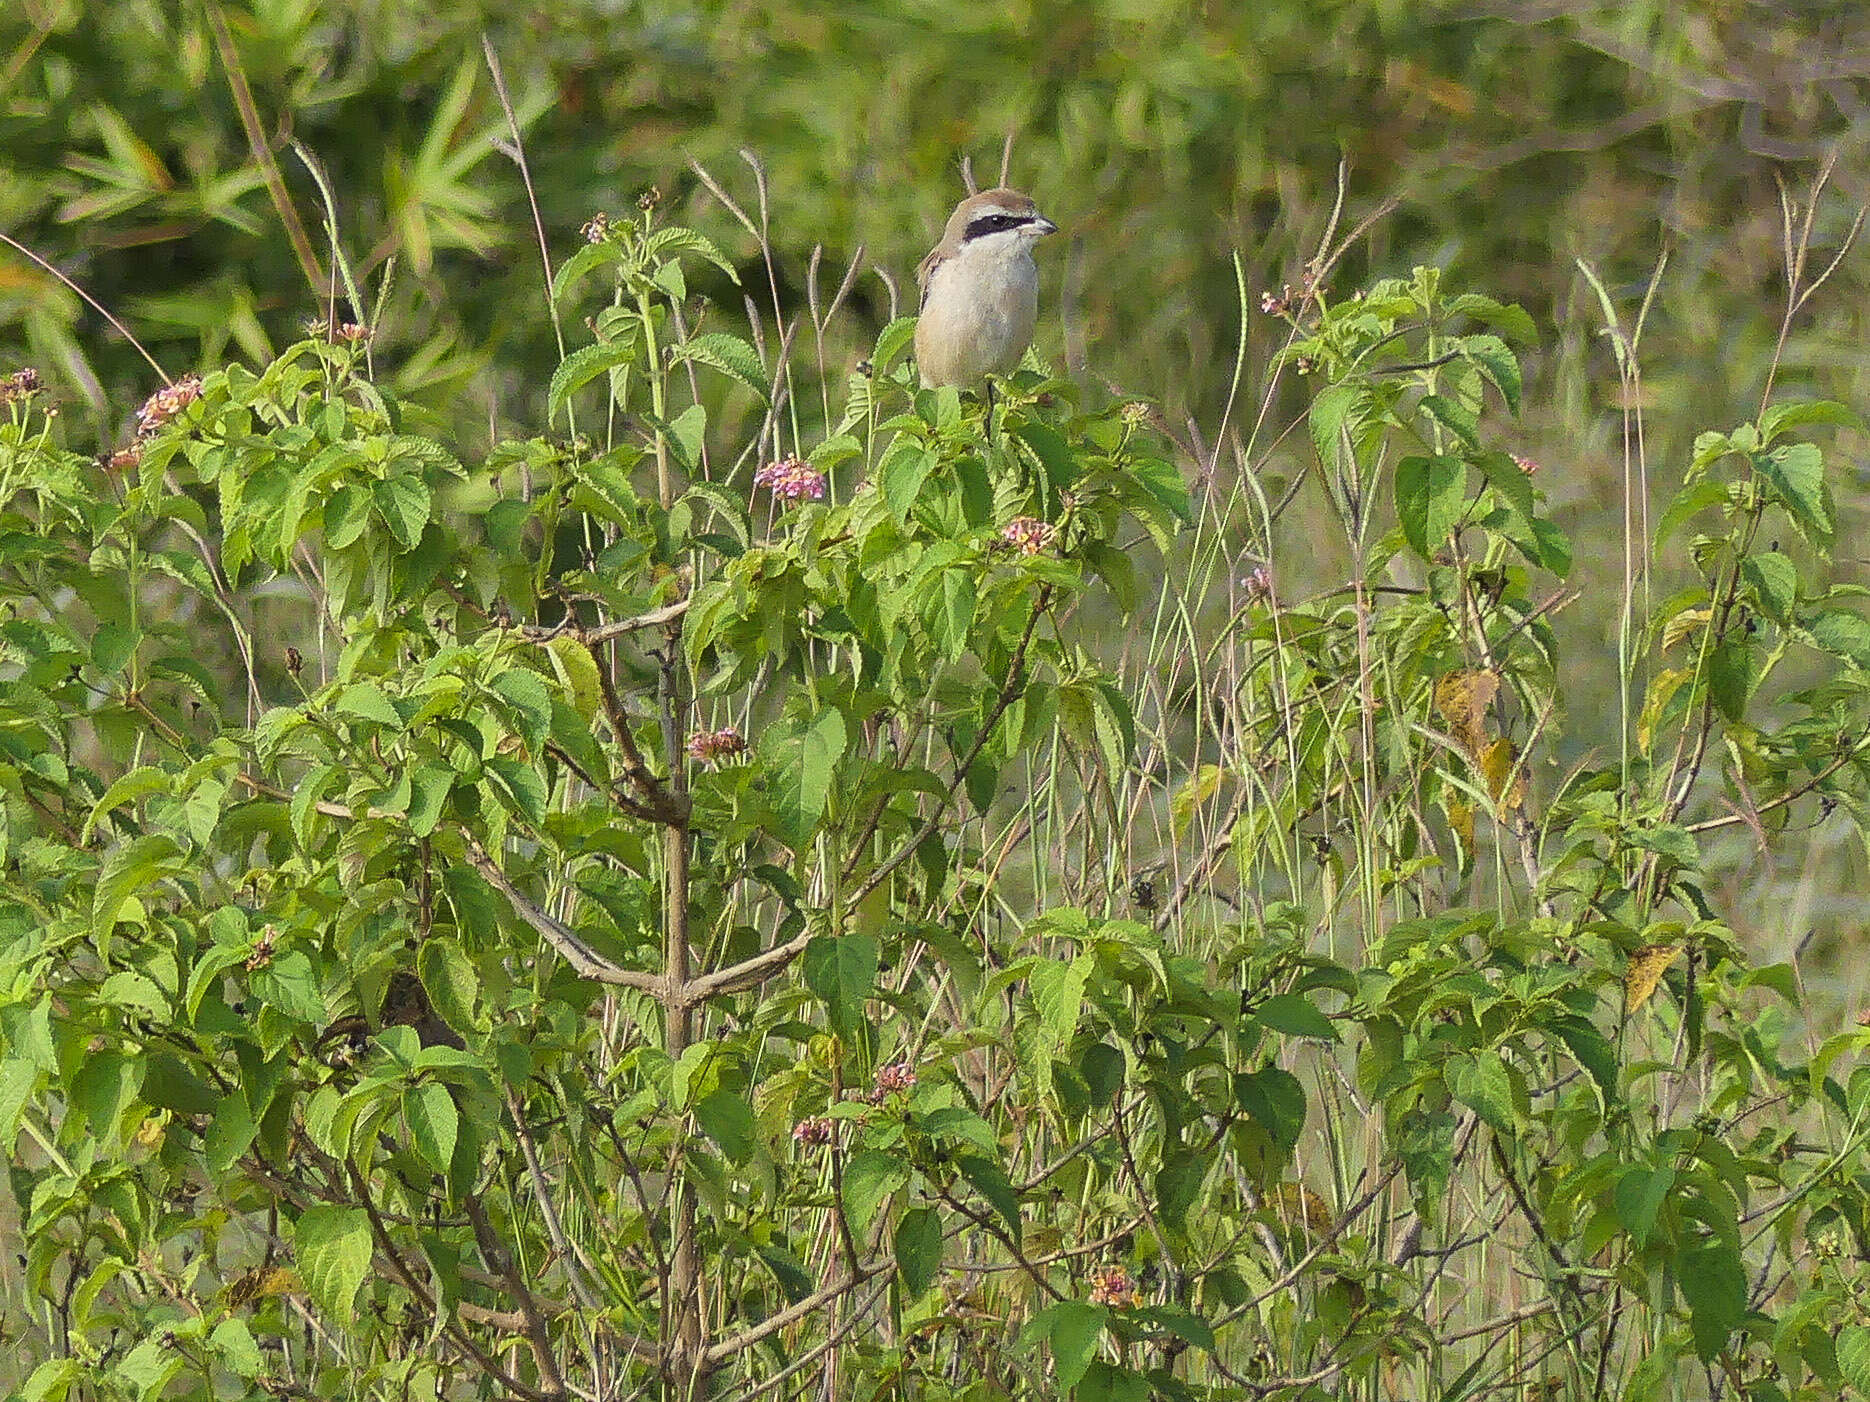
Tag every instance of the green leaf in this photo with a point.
(842, 970)
(138, 783)
(112, 647)
(730, 355)
(1490, 355)
(901, 474)
(727, 1119)
(991, 1182)
(127, 870)
(519, 786)
(577, 673)
(1329, 419)
(332, 1247)
(404, 503)
(1775, 582)
(1638, 1198)
(1796, 474)
(1274, 1098)
(1480, 1081)
(918, 1247)
(1296, 1016)
(233, 1341)
(1429, 500)
(1853, 1350)
(1714, 1283)
(368, 701)
(449, 979)
(346, 513)
(429, 789)
(807, 759)
(229, 1132)
(869, 1178)
(1455, 417)
(1843, 634)
(1072, 1328)
(581, 367)
(525, 691)
(289, 983)
(1782, 417)
(892, 341)
(150, 1367)
(434, 1122)
(1732, 674)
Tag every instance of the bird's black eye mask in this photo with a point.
(995, 224)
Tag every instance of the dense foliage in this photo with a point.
(640, 907)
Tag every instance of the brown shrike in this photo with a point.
(980, 289)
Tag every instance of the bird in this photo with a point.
(980, 289)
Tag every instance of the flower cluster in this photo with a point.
(165, 404)
(597, 228)
(21, 384)
(351, 333)
(791, 479)
(1258, 585)
(1027, 534)
(813, 1132)
(1287, 300)
(724, 743)
(898, 1075)
(1113, 1286)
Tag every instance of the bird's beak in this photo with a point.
(1043, 226)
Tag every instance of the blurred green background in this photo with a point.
(146, 152)
(1515, 136)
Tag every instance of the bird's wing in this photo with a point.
(925, 273)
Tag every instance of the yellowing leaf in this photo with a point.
(1662, 689)
(1462, 699)
(1644, 972)
(1683, 624)
(1298, 1204)
(1461, 819)
(1499, 766)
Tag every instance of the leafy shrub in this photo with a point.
(638, 910)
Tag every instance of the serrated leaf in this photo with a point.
(434, 1122)
(1796, 474)
(727, 1119)
(1638, 1198)
(1457, 418)
(918, 1247)
(448, 977)
(577, 673)
(869, 1178)
(332, 1247)
(728, 354)
(904, 469)
(1480, 1081)
(581, 367)
(368, 701)
(404, 502)
(1643, 973)
(138, 783)
(1294, 1015)
(1072, 1328)
(525, 691)
(1853, 1350)
(842, 970)
(1430, 497)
